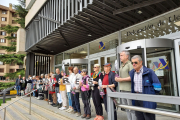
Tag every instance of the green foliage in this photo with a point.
(12, 58)
(10, 37)
(9, 49)
(21, 12)
(7, 99)
(4, 85)
(15, 74)
(9, 29)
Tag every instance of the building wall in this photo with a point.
(9, 16)
(33, 10)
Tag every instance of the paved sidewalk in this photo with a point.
(121, 114)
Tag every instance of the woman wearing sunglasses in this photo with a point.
(97, 100)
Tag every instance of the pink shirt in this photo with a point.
(87, 86)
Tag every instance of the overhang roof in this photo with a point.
(98, 20)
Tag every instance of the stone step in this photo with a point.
(49, 113)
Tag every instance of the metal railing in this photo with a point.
(20, 99)
(141, 97)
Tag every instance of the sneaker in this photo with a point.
(52, 104)
(73, 112)
(78, 114)
(59, 105)
(62, 108)
(38, 98)
(70, 111)
(67, 110)
(88, 116)
(55, 105)
(83, 116)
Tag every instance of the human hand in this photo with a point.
(74, 88)
(94, 82)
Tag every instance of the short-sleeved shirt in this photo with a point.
(105, 81)
(124, 73)
(57, 78)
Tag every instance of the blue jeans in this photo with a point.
(18, 88)
(34, 93)
(69, 98)
(57, 91)
(75, 102)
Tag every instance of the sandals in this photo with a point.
(96, 118)
(100, 118)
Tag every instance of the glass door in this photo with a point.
(162, 63)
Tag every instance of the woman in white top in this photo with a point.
(68, 88)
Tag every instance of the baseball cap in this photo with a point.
(107, 64)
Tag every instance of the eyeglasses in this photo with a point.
(95, 67)
(134, 63)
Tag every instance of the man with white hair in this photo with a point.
(75, 98)
(143, 81)
(125, 81)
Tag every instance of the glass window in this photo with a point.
(11, 70)
(3, 33)
(4, 12)
(58, 59)
(105, 43)
(112, 61)
(1, 69)
(3, 40)
(3, 25)
(14, 14)
(79, 52)
(3, 19)
(1, 63)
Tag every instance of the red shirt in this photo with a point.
(105, 81)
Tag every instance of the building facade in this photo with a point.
(8, 17)
(83, 33)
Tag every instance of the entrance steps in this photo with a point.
(40, 110)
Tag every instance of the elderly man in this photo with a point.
(143, 81)
(18, 87)
(125, 81)
(109, 81)
(76, 88)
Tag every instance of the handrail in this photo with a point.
(141, 97)
(7, 89)
(21, 98)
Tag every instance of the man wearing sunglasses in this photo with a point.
(143, 81)
(125, 81)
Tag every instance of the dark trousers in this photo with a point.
(105, 104)
(142, 115)
(75, 102)
(50, 98)
(87, 109)
(36, 93)
(46, 94)
(97, 101)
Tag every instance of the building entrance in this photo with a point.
(158, 55)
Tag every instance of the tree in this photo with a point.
(10, 30)
(21, 12)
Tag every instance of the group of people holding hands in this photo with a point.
(134, 78)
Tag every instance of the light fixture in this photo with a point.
(89, 35)
(155, 49)
(139, 12)
(177, 23)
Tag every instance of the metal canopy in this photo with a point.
(84, 21)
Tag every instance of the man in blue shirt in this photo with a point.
(18, 86)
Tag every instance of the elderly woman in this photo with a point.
(33, 85)
(46, 87)
(52, 89)
(85, 94)
(97, 100)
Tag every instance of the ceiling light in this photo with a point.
(139, 12)
(177, 23)
(155, 49)
(89, 35)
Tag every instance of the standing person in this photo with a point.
(33, 85)
(76, 88)
(125, 81)
(46, 87)
(85, 94)
(52, 91)
(28, 87)
(97, 100)
(58, 96)
(37, 86)
(62, 89)
(109, 81)
(23, 84)
(18, 87)
(40, 90)
(68, 88)
(143, 81)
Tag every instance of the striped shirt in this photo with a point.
(138, 81)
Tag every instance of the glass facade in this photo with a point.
(58, 59)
